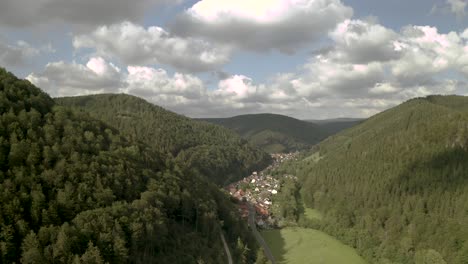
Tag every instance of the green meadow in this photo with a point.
(308, 246)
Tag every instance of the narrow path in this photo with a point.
(226, 248)
(258, 236)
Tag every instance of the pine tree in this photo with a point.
(92, 255)
(31, 250)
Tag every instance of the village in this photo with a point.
(258, 189)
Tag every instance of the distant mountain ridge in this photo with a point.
(279, 133)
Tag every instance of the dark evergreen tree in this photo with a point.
(217, 153)
(74, 190)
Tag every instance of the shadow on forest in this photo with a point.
(276, 243)
(447, 171)
(300, 207)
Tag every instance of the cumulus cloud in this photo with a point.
(417, 61)
(330, 76)
(99, 76)
(66, 79)
(26, 13)
(426, 52)
(415, 56)
(135, 45)
(263, 25)
(360, 41)
(146, 81)
(183, 93)
(339, 81)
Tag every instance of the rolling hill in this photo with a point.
(278, 133)
(74, 190)
(218, 153)
(273, 133)
(396, 186)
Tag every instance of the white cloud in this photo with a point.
(422, 61)
(135, 45)
(187, 94)
(341, 77)
(359, 41)
(342, 81)
(183, 93)
(237, 86)
(67, 79)
(146, 81)
(176, 92)
(426, 52)
(263, 25)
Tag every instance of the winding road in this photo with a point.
(226, 248)
(258, 236)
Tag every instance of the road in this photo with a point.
(226, 248)
(258, 236)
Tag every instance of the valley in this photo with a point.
(85, 179)
(378, 199)
(284, 243)
(258, 190)
(233, 131)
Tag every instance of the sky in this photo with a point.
(310, 59)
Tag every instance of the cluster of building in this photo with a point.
(279, 158)
(258, 189)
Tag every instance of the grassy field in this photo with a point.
(309, 246)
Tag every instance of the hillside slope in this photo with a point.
(73, 190)
(216, 152)
(273, 133)
(396, 186)
(333, 126)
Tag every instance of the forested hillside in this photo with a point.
(216, 152)
(396, 186)
(73, 190)
(333, 126)
(273, 133)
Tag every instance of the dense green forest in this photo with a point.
(396, 186)
(273, 133)
(218, 153)
(73, 190)
(333, 126)
(277, 133)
